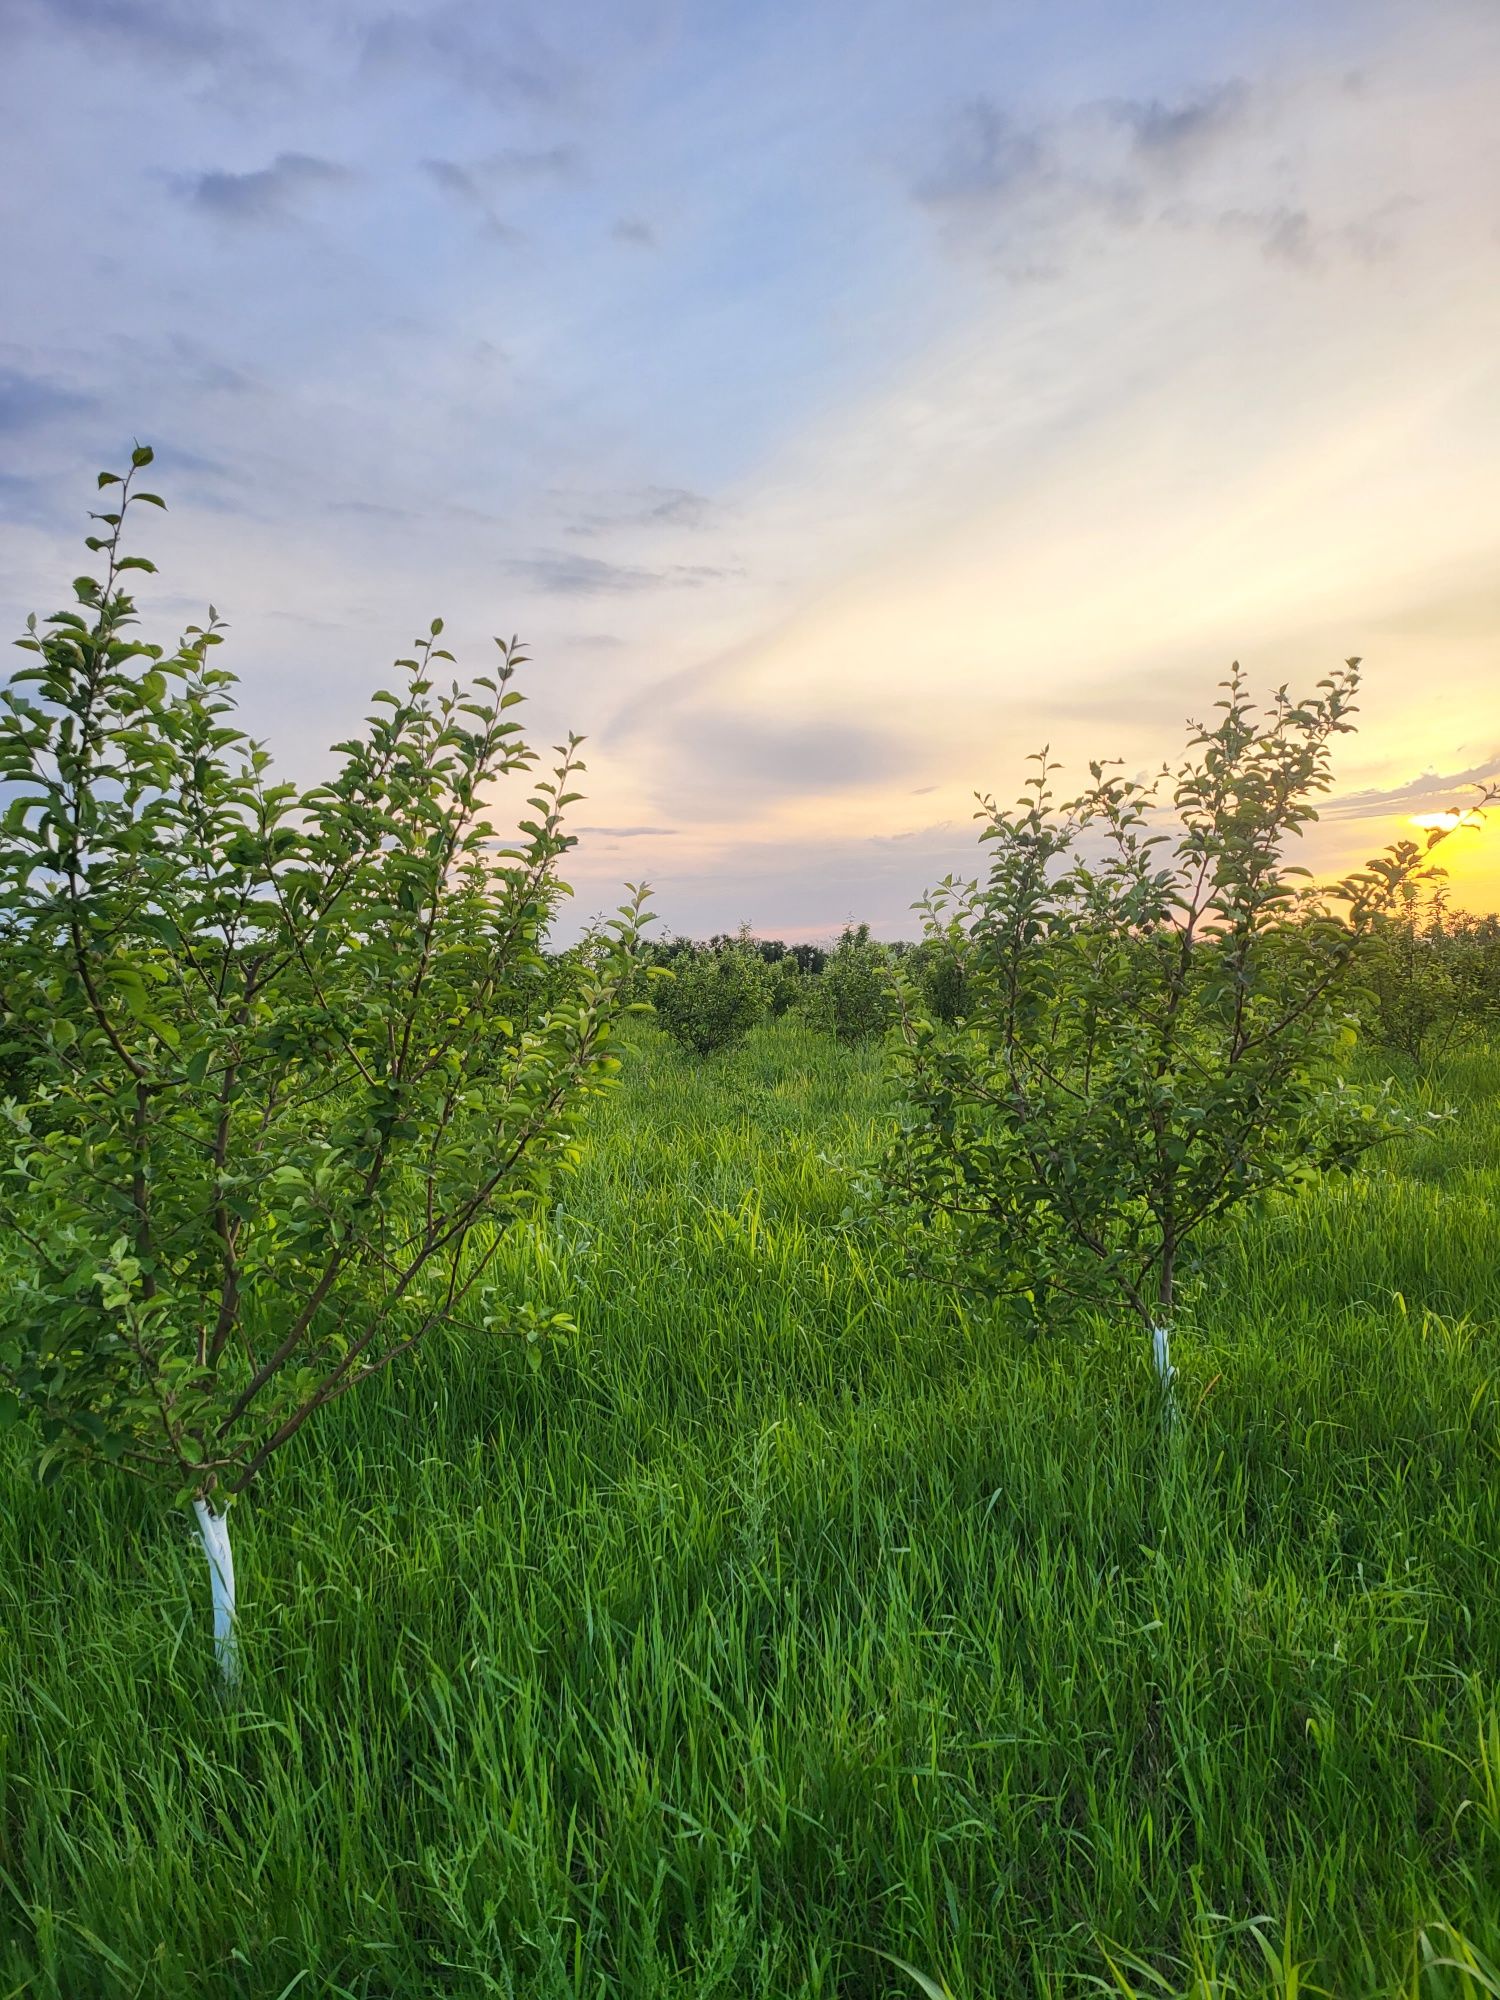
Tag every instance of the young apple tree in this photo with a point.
(1155, 1006)
(293, 1058)
(716, 994)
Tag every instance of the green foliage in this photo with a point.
(714, 996)
(851, 997)
(294, 1063)
(937, 964)
(1156, 1007)
(1431, 977)
(793, 1612)
(789, 986)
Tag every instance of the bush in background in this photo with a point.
(851, 999)
(939, 968)
(790, 986)
(715, 995)
(1432, 980)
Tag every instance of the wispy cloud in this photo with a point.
(569, 575)
(989, 156)
(264, 194)
(632, 832)
(711, 763)
(369, 510)
(532, 163)
(765, 881)
(177, 30)
(1173, 134)
(649, 507)
(1432, 789)
(1004, 181)
(1291, 236)
(498, 55)
(465, 187)
(30, 402)
(481, 184)
(25, 499)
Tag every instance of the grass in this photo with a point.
(793, 1633)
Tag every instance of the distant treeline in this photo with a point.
(806, 957)
(1430, 986)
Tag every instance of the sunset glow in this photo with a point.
(1448, 822)
(842, 403)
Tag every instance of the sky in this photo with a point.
(842, 401)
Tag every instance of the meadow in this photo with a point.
(791, 1620)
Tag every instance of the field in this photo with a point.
(789, 1622)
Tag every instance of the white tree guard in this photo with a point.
(1161, 1356)
(214, 1528)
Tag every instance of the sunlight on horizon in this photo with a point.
(1449, 822)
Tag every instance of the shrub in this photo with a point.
(1155, 1012)
(1478, 940)
(294, 1063)
(810, 958)
(714, 996)
(789, 986)
(851, 997)
(937, 964)
(1432, 979)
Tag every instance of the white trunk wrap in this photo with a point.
(1161, 1356)
(214, 1528)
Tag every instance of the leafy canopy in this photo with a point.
(715, 995)
(1155, 1007)
(851, 998)
(1431, 978)
(292, 1061)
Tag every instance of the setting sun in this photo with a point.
(1448, 822)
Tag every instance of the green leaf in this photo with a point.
(929, 1988)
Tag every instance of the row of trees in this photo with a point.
(708, 996)
(1430, 978)
(285, 1064)
(1426, 984)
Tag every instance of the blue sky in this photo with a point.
(841, 400)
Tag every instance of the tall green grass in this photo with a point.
(791, 1622)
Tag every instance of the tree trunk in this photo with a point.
(214, 1528)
